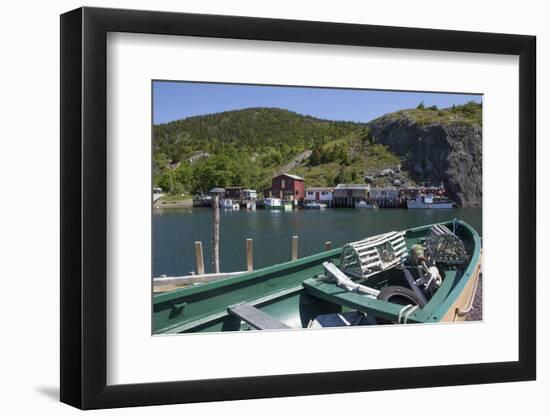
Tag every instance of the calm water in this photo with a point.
(174, 232)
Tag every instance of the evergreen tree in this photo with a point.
(315, 157)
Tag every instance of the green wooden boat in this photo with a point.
(307, 293)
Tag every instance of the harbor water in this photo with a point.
(176, 230)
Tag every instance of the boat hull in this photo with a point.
(429, 201)
(315, 206)
(366, 206)
(416, 205)
(279, 207)
(463, 304)
(229, 205)
(292, 294)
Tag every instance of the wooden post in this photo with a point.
(216, 235)
(199, 260)
(328, 245)
(249, 256)
(294, 247)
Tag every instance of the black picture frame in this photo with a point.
(84, 207)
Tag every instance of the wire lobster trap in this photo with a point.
(443, 246)
(369, 256)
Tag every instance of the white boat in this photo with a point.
(314, 205)
(157, 194)
(251, 205)
(427, 201)
(273, 203)
(229, 204)
(364, 205)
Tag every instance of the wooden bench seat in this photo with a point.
(257, 318)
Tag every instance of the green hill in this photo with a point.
(253, 130)
(244, 147)
(247, 147)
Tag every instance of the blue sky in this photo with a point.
(178, 100)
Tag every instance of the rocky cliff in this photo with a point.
(438, 145)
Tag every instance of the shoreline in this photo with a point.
(184, 203)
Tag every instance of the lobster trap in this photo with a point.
(443, 246)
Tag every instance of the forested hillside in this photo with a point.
(247, 147)
(244, 147)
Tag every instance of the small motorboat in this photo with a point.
(229, 204)
(273, 204)
(429, 201)
(364, 205)
(314, 205)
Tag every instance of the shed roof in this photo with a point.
(217, 190)
(352, 186)
(296, 177)
(319, 189)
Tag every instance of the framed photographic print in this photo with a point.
(257, 208)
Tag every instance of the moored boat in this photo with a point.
(202, 201)
(429, 201)
(229, 204)
(422, 275)
(273, 204)
(364, 205)
(314, 205)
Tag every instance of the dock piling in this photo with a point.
(328, 245)
(199, 258)
(216, 235)
(249, 255)
(294, 247)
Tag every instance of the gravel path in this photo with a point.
(476, 313)
(297, 160)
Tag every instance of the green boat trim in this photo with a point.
(294, 294)
(354, 301)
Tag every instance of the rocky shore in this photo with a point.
(171, 204)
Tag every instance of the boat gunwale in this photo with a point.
(468, 274)
(259, 273)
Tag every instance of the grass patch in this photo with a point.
(366, 159)
(467, 114)
(171, 198)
